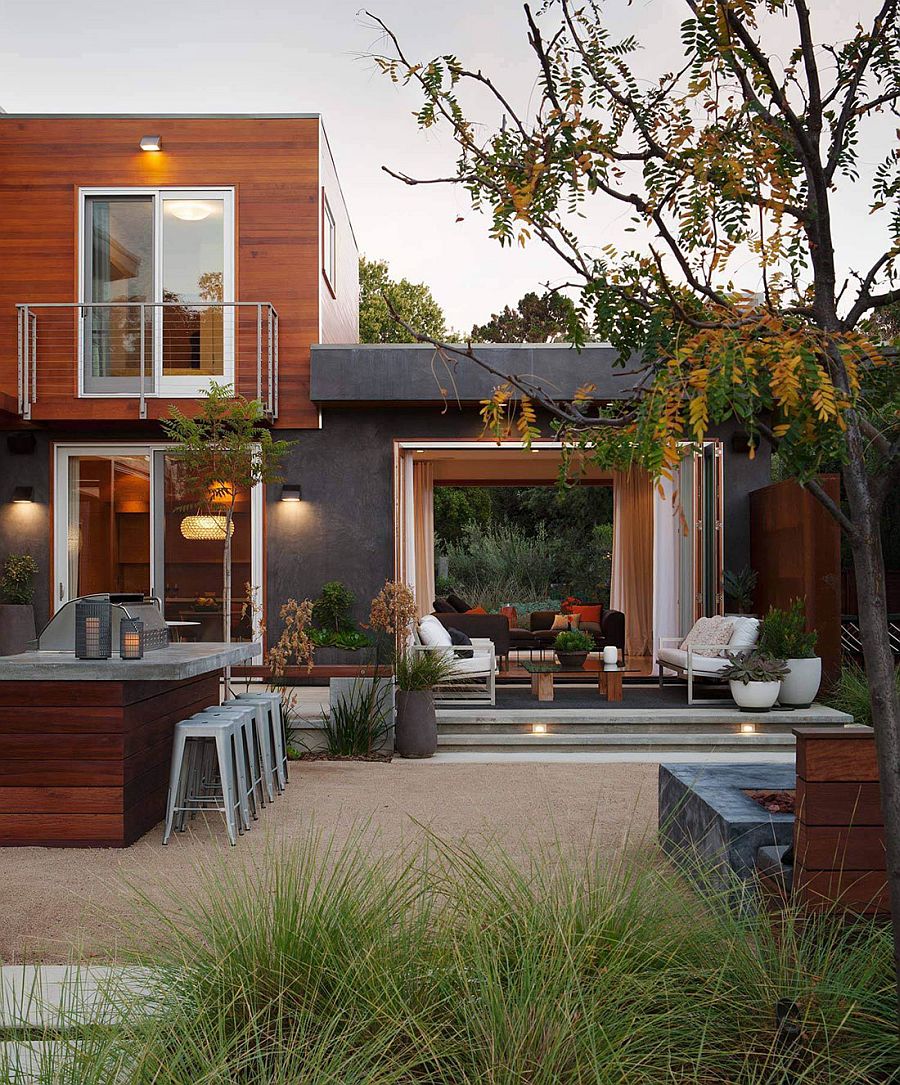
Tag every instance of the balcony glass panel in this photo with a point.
(118, 253)
(193, 274)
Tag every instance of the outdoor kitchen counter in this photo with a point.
(85, 744)
(172, 664)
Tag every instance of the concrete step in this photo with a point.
(695, 718)
(563, 725)
(591, 740)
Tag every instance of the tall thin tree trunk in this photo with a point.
(868, 562)
(226, 590)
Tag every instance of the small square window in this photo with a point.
(329, 235)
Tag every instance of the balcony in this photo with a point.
(148, 353)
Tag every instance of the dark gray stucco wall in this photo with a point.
(343, 529)
(25, 528)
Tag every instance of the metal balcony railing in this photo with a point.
(146, 350)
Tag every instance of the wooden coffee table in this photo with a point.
(542, 678)
(610, 683)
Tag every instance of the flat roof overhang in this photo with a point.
(374, 374)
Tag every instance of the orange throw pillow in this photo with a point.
(588, 613)
(476, 610)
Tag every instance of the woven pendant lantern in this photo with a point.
(205, 528)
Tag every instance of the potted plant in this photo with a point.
(417, 673)
(739, 587)
(16, 611)
(572, 647)
(754, 680)
(784, 636)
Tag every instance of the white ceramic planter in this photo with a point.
(755, 696)
(801, 684)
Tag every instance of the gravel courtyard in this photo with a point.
(59, 904)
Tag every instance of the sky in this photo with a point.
(308, 56)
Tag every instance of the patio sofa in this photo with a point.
(609, 630)
(493, 627)
(695, 660)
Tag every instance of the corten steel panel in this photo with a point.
(272, 163)
(796, 549)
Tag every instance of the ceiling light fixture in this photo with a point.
(151, 143)
(189, 210)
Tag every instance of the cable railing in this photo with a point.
(851, 637)
(146, 350)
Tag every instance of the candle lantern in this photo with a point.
(131, 638)
(93, 629)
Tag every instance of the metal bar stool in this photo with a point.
(265, 740)
(245, 751)
(279, 738)
(188, 792)
(256, 726)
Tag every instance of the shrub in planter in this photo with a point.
(572, 647)
(417, 674)
(16, 612)
(784, 636)
(754, 680)
(358, 720)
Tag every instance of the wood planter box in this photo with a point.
(839, 852)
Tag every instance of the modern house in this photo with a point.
(142, 257)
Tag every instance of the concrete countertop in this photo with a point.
(172, 664)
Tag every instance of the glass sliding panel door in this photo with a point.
(189, 555)
(107, 524)
(197, 336)
(119, 273)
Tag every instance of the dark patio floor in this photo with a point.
(582, 696)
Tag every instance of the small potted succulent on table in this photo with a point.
(784, 636)
(754, 680)
(16, 610)
(572, 647)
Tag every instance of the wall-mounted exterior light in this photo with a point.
(23, 495)
(151, 143)
(291, 493)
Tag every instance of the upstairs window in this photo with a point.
(329, 244)
(158, 274)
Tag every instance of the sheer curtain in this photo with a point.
(668, 530)
(631, 590)
(423, 535)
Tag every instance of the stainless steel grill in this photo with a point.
(58, 635)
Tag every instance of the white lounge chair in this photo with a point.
(704, 660)
(474, 677)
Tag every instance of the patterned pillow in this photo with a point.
(709, 633)
(565, 621)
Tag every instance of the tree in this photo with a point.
(550, 317)
(735, 157)
(412, 301)
(223, 450)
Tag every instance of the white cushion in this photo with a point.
(702, 665)
(477, 665)
(745, 633)
(433, 634)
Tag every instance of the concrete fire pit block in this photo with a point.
(707, 822)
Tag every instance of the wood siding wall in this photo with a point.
(273, 165)
(795, 547)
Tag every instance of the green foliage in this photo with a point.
(349, 639)
(538, 543)
(537, 318)
(332, 608)
(739, 586)
(851, 693)
(417, 670)
(17, 579)
(456, 508)
(573, 640)
(412, 301)
(357, 723)
(784, 636)
(354, 964)
(754, 667)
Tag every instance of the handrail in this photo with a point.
(62, 348)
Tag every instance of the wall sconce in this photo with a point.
(291, 493)
(151, 143)
(23, 495)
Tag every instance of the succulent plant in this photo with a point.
(754, 668)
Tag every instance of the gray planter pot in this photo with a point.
(416, 734)
(16, 628)
(801, 684)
